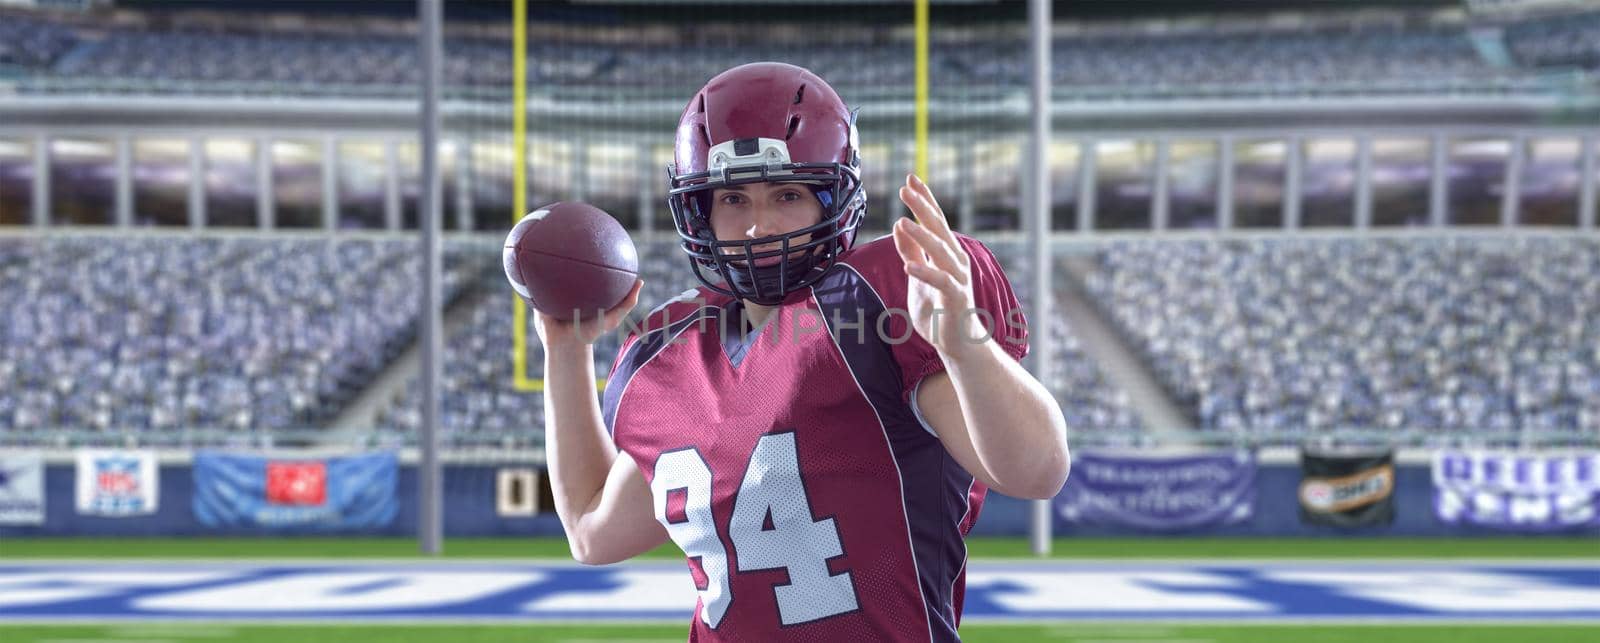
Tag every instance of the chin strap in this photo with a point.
(765, 288)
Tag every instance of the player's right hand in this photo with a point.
(581, 331)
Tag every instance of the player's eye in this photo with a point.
(789, 195)
(732, 198)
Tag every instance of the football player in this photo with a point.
(816, 424)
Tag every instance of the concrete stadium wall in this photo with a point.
(469, 511)
(1276, 513)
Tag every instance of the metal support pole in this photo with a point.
(124, 193)
(330, 183)
(1160, 198)
(1225, 183)
(465, 218)
(41, 180)
(1039, 104)
(430, 524)
(1586, 193)
(197, 183)
(266, 204)
(1363, 210)
(1510, 197)
(1438, 187)
(897, 169)
(1087, 155)
(580, 169)
(1294, 161)
(391, 184)
(647, 192)
(966, 185)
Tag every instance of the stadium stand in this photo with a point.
(162, 333)
(33, 43)
(1251, 335)
(1432, 333)
(1361, 56)
(1369, 57)
(481, 405)
(1090, 402)
(1254, 335)
(1561, 40)
(287, 61)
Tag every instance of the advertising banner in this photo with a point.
(517, 492)
(1517, 491)
(21, 489)
(317, 494)
(117, 483)
(1158, 493)
(1347, 490)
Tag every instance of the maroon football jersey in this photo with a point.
(790, 463)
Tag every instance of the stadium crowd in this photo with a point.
(482, 406)
(1430, 333)
(162, 333)
(1377, 57)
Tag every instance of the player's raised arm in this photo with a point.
(603, 500)
(601, 497)
(993, 416)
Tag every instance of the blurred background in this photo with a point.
(1331, 240)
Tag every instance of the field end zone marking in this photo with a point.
(995, 595)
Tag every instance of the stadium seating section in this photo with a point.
(1429, 333)
(482, 406)
(176, 333)
(1438, 333)
(1383, 56)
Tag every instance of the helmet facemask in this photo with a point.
(743, 161)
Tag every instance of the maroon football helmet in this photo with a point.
(772, 122)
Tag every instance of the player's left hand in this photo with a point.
(939, 294)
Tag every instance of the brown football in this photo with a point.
(570, 258)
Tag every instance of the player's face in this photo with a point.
(756, 210)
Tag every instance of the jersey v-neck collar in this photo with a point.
(736, 337)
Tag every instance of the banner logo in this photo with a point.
(321, 495)
(22, 489)
(1517, 491)
(517, 493)
(1347, 490)
(297, 483)
(1159, 493)
(1347, 493)
(117, 483)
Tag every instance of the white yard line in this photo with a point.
(104, 641)
(1144, 640)
(195, 632)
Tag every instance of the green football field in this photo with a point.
(16, 550)
(1377, 633)
(1075, 548)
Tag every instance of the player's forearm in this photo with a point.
(577, 450)
(1016, 427)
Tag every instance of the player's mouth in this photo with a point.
(770, 261)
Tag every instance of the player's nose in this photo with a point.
(765, 223)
